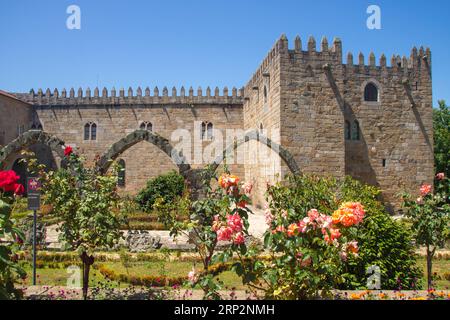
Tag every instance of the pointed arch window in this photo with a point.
(121, 174)
(355, 130)
(146, 125)
(90, 131)
(371, 93)
(207, 131)
(348, 134)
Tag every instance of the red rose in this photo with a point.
(68, 151)
(18, 189)
(8, 180)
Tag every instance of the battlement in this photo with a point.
(419, 59)
(140, 97)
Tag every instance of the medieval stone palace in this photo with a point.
(304, 109)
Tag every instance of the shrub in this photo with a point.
(166, 186)
(382, 241)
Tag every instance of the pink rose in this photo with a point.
(440, 176)
(247, 187)
(425, 189)
(234, 222)
(239, 238)
(224, 234)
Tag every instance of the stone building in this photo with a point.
(303, 110)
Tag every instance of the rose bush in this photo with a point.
(221, 215)
(10, 236)
(87, 204)
(312, 255)
(430, 216)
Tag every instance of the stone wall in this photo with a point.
(15, 117)
(114, 121)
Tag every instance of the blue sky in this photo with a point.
(199, 42)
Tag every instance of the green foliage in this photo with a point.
(89, 208)
(10, 271)
(87, 204)
(441, 124)
(381, 240)
(169, 213)
(167, 186)
(207, 216)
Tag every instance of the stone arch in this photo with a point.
(255, 135)
(30, 138)
(135, 137)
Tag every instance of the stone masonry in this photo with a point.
(367, 120)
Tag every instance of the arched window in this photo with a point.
(209, 130)
(87, 131)
(371, 93)
(203, 131)
(355, 130)
(348, 132)
(121, 173)
(90, 131)
(93, 131)
(146, 125)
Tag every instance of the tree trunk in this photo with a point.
(87, 262)
(429, 268)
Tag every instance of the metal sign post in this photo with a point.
(34, 203)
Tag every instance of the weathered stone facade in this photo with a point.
(317, 110)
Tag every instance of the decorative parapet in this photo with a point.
(138, 98)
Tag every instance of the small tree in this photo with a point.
(87, 204)
(221, 215)
(430, 215)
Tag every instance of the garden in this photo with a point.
(325, 238)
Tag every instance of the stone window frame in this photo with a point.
(355, 130)
(207, 131)
(379, 87)
(146, 125)
(92, 131)
(347, 130)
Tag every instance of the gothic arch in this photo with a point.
(27, 139)
(255, 135)
(135, 137)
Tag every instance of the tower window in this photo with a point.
(371, 93)
(355, 130)
(384, 163)
(348, 134)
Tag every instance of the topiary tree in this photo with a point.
(166, 187)
(88, 205)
